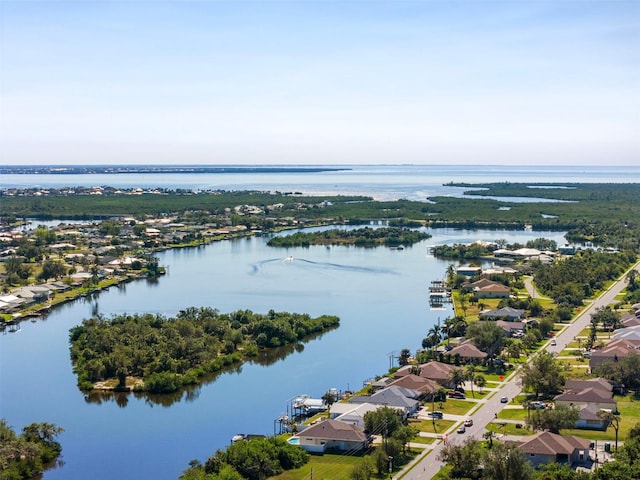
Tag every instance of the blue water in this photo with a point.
(383, 182)
(380, 295)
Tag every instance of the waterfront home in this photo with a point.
(469, 271)
(468, 352)
(485, 288)
(333, 435)
(546, 447)
(395, 397)
(507, 313)
(353, 414)
(425, 386)
(434, 370)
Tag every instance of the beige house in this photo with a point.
(333, 435)
(547, 447)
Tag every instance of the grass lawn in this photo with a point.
(423, 440)
(441, 426)
(508, 429)
(325, 467)
(629, 416)
(456, 407)
(513, 414)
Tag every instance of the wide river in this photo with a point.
(380, 295)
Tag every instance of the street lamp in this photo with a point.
(390, 464)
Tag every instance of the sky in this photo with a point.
(521, 82)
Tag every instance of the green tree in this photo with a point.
(329, 398)
(506, 462)
(382, 421)
(52, 269)
(487, 336)
(612, 420)
(554, 419)
(463, 459)
(543, 375)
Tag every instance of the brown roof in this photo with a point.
(415, 382)
(613, 350)
(498, 287)
(467, 350)
(483, 282)
(436, 370)
(547, 443)
(577, 385)
(330, 429)
(586, 395)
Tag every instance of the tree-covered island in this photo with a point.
(156, 354)
(360, 237)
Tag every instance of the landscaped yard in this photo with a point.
(325, 467)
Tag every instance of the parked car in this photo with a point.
(458, 395)
(435, 414)
(468, 422)
(504, 400)
(537, 405)
(462, 429)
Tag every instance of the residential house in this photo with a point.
(629, 333)
(485, 288)
(507, 313)
(437, 371)
(425, 386)
(512, 328)
(546, 447)
(590, 397)
(333, 435)
(469, 271)
(394, 397)
(613, 351)
(468, 352)
(353, 414)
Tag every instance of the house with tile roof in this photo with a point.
(546, 447)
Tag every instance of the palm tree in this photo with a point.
(470, 374)
(611, 419)
(329, 398)
(456, 377)
(480, 381)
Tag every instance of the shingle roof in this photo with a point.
(547, 443)
(415, 382)
(335, 430)
(467, 350)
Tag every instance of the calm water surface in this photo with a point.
(379, 294)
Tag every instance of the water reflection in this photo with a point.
(192, 392)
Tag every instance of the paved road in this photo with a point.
(427, 464)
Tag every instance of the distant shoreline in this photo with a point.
(111, 169)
